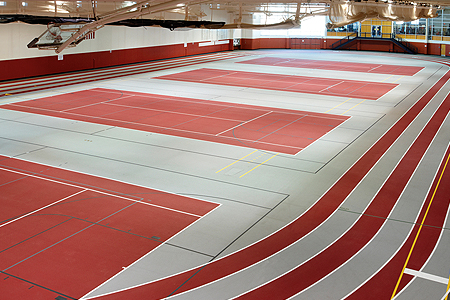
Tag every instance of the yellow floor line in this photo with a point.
(353, 107)
(236, 161)
(387, 78)
(420, 228)
(446, 291)
(258, 165)
(338, 105)
(398, 79)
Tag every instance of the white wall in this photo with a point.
(14, 38)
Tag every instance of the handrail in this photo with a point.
(405, 43)
(344, 40)
(368, 35)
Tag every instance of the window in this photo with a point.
(314, 26)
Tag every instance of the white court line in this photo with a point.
(245, 122)
(212, 102)
(331, 86)
(92, 104)
(229, 72)
(427, 276)
(85, 297)
(101, 192)
(374, 68)
(174, 112)
(169, 128)
(39, 209)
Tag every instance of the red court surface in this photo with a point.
(64, 233)
(287, 83)
(342, 249)
(334, 65)
(272, 129)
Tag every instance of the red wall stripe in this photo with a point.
(39, 66)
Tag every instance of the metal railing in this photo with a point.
(344, 40)
(368, 35)
(405, 43)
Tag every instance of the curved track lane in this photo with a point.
(362, 232)
(304, 224)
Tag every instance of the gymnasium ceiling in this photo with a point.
(186, 9)
(90, 16)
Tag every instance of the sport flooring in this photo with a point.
(271, 174)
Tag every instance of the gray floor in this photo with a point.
(267, 198)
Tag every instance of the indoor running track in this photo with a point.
(344, 248)
(89, 189)
(58, 226)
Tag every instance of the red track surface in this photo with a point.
(64, 233)
(278, 130)
(364, 229)
(288, 83)
(381, 286)
(334, 65)
(317, 214)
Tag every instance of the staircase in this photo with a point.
(355, 40)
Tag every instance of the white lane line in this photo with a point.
(39, 209)
(427, 276)
(446, 295)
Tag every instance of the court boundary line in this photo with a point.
(183, 130)
(202, 101)
(142, 257)
(289, 89)
(44, 207)
(306, 64)
(100, 192)
(83, 106)
(243, 123)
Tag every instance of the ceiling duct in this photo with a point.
(344, 13)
